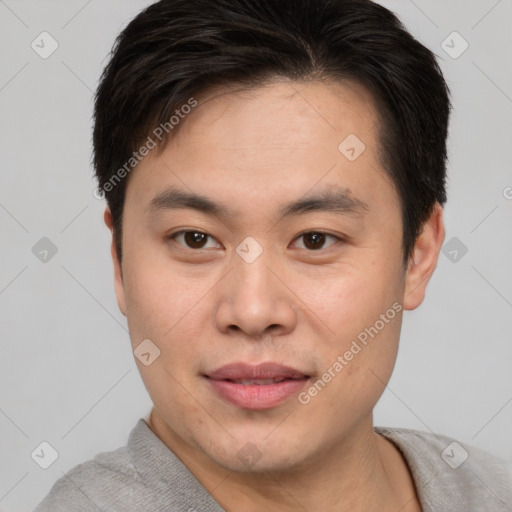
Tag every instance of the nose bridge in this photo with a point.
(254, 298)
(253, 279)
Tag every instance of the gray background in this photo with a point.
(67, 374)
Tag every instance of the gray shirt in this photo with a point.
(146, 476)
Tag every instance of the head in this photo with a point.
(275, 176)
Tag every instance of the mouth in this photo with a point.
(257, 382)
(263, 386)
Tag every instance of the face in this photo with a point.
(277, 312)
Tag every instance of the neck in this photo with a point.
(362, 472)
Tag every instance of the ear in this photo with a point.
(424, 259)
(118, 272)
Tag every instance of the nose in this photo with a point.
(255, 298)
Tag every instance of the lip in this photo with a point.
(256, 396)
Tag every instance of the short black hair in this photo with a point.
(174, 50)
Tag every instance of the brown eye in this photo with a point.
(315, 240)
(191, 239)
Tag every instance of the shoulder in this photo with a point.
(94, 485)
(452, 474)
(144, 475)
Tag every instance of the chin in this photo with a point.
(251, 454)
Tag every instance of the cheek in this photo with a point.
(162, 308)
(348, 300)
(159, 299)
(170, 309)
(355, 376)
(363, 313)
(369, 326)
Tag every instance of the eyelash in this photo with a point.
(337, 238)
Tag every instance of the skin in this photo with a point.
(255, 150)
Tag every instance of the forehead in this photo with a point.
(280, 138)
(282, 112)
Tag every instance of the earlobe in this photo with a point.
(424, 259)
(118, 272)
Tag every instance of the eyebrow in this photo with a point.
(337, 200)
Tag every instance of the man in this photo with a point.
(275, 180)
